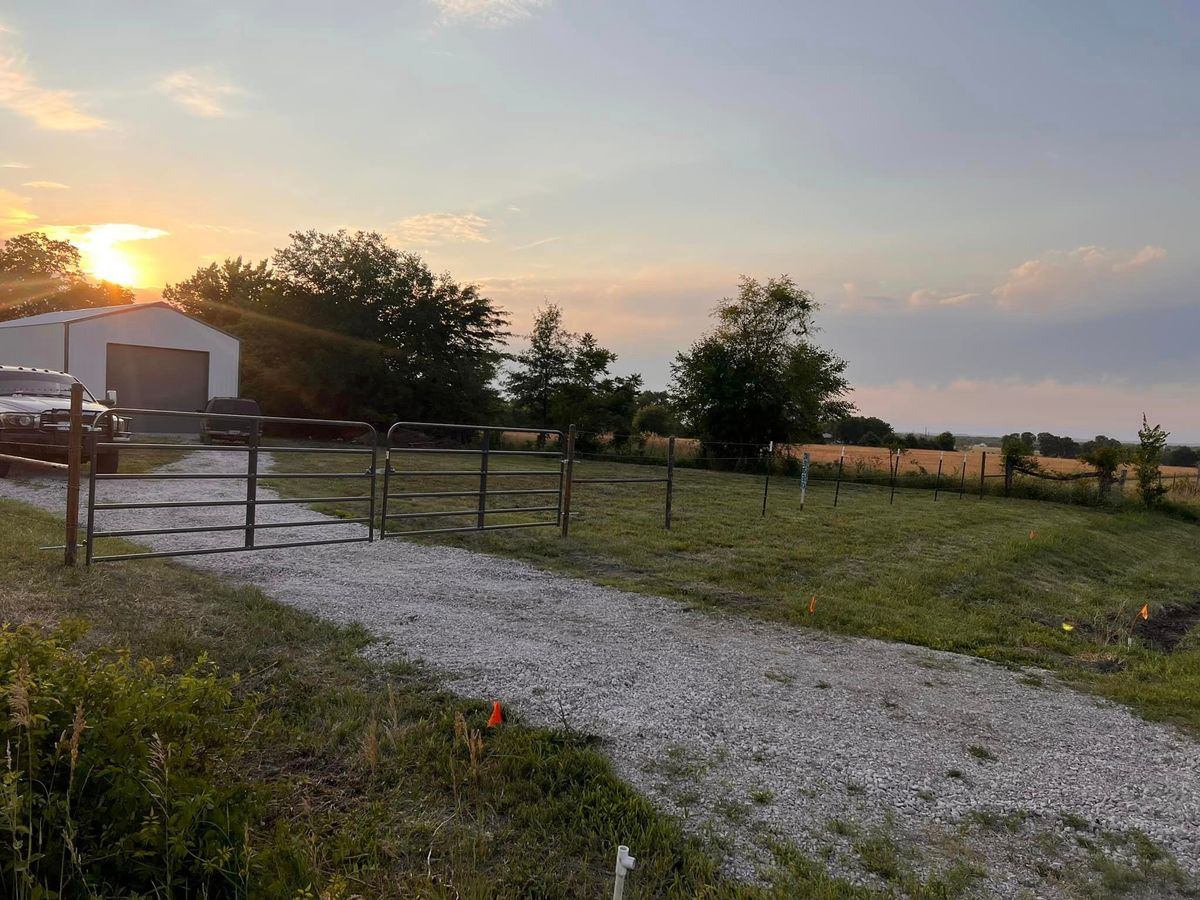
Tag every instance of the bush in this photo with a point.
(120, 775)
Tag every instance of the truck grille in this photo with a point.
(53, 418)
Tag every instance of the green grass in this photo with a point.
(374, 789)
(960, 574)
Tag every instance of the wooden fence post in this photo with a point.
(982, 469)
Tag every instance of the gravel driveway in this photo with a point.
(752, 732)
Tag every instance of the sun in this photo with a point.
(110, 263)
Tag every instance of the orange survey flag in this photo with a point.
(497, 717)
(812, 605)
(1144, 612)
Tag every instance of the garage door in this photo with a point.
(158, 378)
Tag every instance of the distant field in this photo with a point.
(993, 577)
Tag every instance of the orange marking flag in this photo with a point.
(1144, 612)
(812, 605)
(497, 717)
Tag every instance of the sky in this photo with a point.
(995, 204)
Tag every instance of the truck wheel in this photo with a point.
(107, 463)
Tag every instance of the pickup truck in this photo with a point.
(35, 418)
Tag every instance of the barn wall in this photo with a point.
(32, 345)
(152, 327)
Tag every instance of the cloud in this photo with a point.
(1081, 410)
(15, 165)
(46, 185)
(106, 234)
(488, 13)
(200, 92)
(541, 243)
(1060, 275)
(1143, 257)
(441, 228)
(222, 229)
(13, 210)
(54, 110)
(927, 297)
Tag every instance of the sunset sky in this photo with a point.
(995, 204)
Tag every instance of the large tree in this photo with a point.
(563, 378)
(41, 275)
(757, 376)
(344, 325)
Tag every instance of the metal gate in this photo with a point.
(548, 482)
(235, 429)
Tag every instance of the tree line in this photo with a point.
(343, 325)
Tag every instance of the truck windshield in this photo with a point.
(37, 384)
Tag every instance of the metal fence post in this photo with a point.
(962, 481)
(374, 482)
(895, 471)
(937, 484)
(251, 482)
(484, 448)
(982, 470)
(767, 480)
(837, 488)
(569, 464)
(670, 479)
(74, 461)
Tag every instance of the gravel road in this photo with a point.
(751, 732)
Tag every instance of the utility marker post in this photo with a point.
(74, 463)
(804, 461)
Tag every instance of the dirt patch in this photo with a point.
(1167, 628)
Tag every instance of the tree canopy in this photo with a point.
(563, 377)
(344, 325)
(757, 376)
(41, 275)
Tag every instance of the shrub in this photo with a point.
(1146, 461)
(119, 775)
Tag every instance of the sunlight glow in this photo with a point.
(99, 245)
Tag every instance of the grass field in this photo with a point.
(994, 578)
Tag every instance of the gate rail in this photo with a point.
(251, 476)
(569, 464)
(480, 511)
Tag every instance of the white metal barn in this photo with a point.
(151, 354)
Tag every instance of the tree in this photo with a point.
(946, 441)
(756, 376)
(223, 294)
(857, 429)
(1104, 455)
(543, 368)
(1147, 457)
(1181, 456)
(564, 378)
(41, 275)
(656, 418)
(1017, 453)
(345, 326)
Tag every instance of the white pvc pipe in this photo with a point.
(625, 865)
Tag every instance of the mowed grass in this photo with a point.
(995, 578)
(374, 791)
